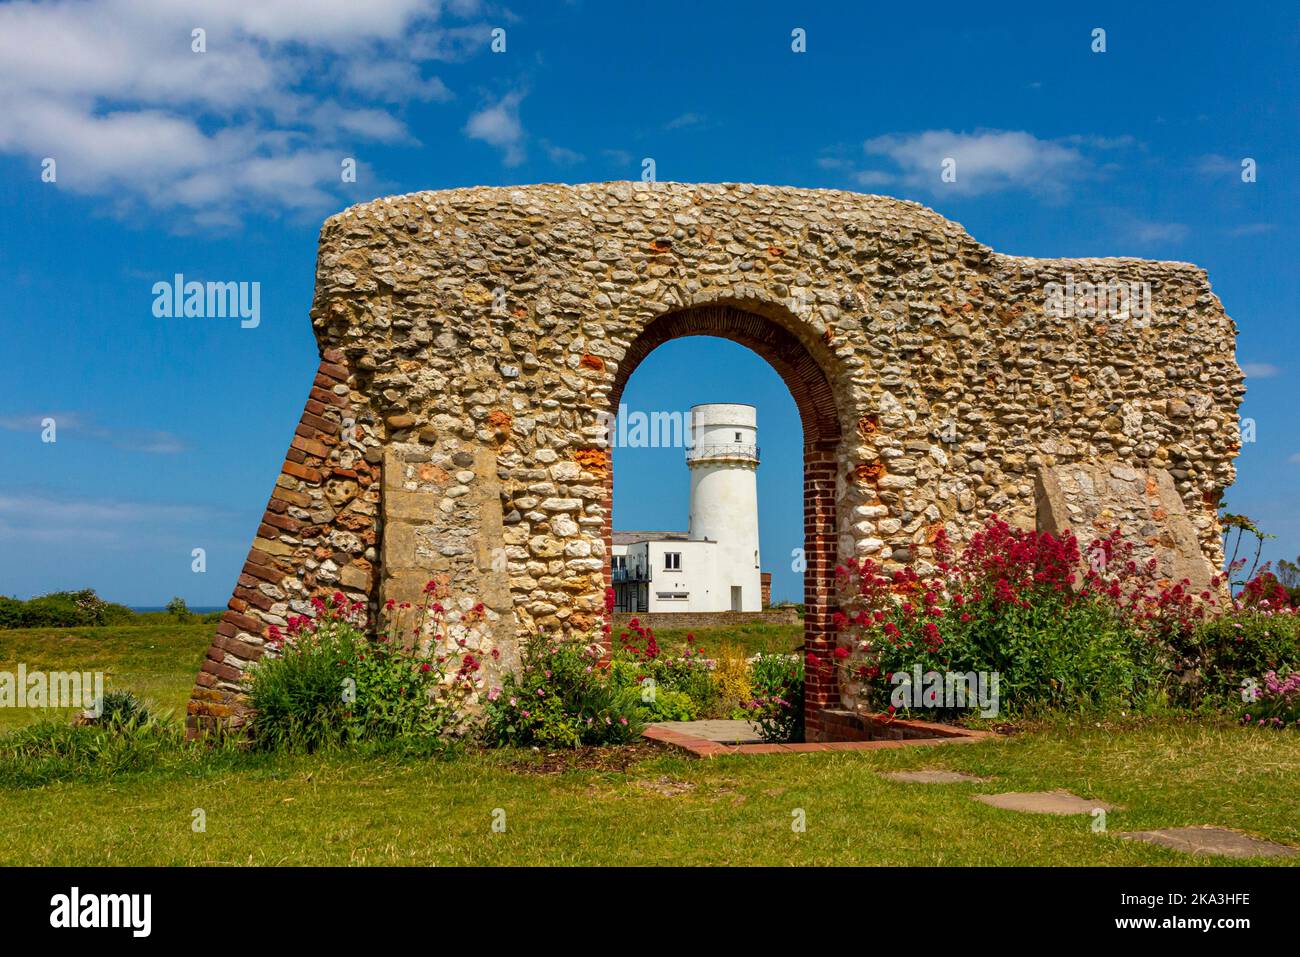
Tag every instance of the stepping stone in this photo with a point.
(1044, 802)
(719, 730)
(931, 776)
(1211, 840)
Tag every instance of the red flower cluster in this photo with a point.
(1008, 563)
(646, 647)
(1265, 591)
(902, 615)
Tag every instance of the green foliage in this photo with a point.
(298, 697)
(561, 698)
(178, 609)
(1273, 702)
(329, 686)
(11, 612)
(776, 709)
(1245, 643)
(1014, 605)
(657, 704)
(63, 609)
(122, 740)
(122, 708)
(644, 663)
(1050, 655)
(689, 675)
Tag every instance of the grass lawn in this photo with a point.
(750, 639)
(631, 806)
(662, 809)
(156, 661)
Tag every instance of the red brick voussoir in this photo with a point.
(325, 485)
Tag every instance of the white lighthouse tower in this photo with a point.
(723, 460)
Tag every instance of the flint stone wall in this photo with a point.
(471, 338)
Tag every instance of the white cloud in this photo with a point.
(986, 161)
(561, 155)
(498, 125)
(683, 121)
(392, 81)
(1213, 164)
(871, 177)
(1260, 370)
(1251, 229)
(1148, 232)
(55, 518)
(113, 92)
(76, 425)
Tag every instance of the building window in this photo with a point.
(673, 561)
(737, 437)
(620, 561)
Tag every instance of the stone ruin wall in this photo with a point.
(470, 339)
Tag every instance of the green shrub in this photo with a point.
(58, 610)
(1242, 644)
(122, 708)
(53, 751)
(298, 697)
(327, 685)
(1047, 655)
(561, 698)
(777, 683)
(63, 609)
(11, 612)
(690, 674)
(1273, 702)
(1052, 655)
(111, 613)
(661, 705)
(1012, 605)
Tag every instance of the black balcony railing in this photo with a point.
(734, 451)
(630, 575)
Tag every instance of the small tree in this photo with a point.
(1288, 573)
(1242, 526)
(178, 609)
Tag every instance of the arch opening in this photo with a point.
(804, 376)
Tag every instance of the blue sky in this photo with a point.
(221, 165)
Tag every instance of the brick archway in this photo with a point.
(766, 334)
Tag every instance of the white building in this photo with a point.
(714, 565)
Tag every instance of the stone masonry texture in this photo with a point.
(472, 339)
